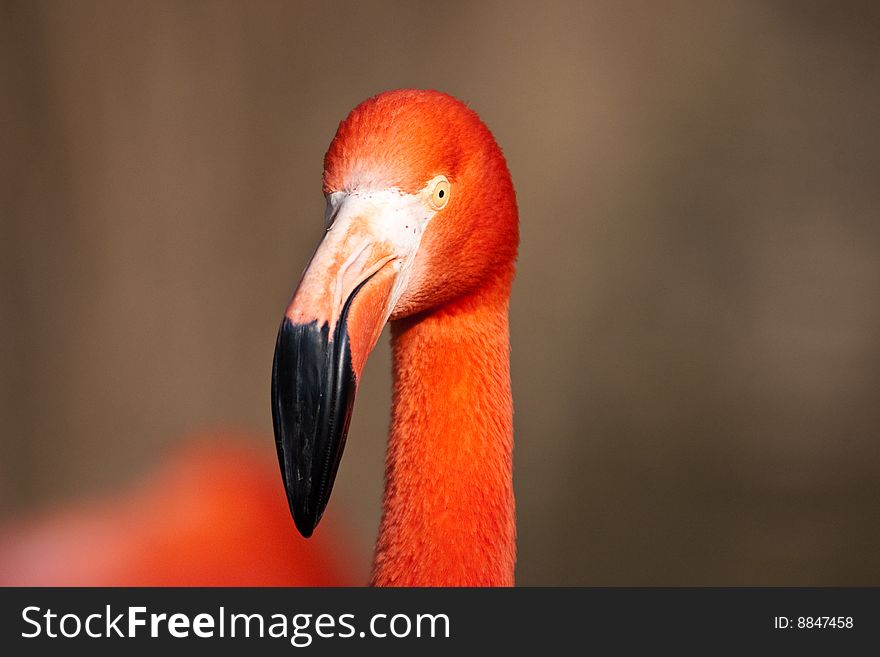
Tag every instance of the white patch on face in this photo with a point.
(389, 215)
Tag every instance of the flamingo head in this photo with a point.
(420, 211)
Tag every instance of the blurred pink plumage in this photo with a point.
(212, 514)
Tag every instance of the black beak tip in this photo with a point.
(305, 508)
(313, 390)
(299, 502)
(305, 526)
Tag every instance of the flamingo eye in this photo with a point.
(440, 193)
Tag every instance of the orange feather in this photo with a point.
(448, 508)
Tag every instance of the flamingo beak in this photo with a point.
(329, 328)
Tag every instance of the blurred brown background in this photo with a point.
(696, 319)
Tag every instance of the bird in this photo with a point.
(422, 232)
(207, 514)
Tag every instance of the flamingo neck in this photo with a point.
(448, 516)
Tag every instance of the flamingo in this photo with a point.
(421, 230)
(208, 515)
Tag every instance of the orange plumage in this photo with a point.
(448, 507)
(211, 515)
